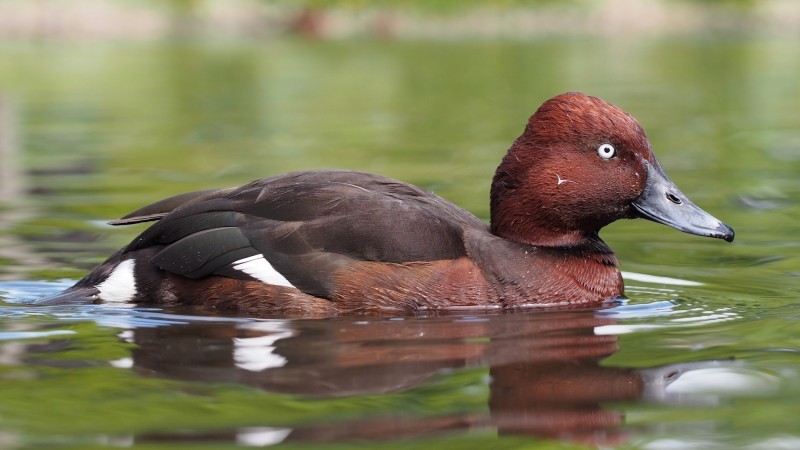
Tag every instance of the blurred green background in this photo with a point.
(108, 105)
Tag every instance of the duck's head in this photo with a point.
(580, 164)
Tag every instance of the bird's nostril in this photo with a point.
(673, 199)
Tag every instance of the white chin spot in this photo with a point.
(120, 286)
(259, 268)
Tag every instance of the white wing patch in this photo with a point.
(120, 286)
(259, 268)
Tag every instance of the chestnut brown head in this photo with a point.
(580, 164)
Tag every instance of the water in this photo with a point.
(704, 354)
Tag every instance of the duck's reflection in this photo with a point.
(546, 379)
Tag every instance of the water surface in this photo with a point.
(703, 356)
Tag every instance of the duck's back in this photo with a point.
(296, 230)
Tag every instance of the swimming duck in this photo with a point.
(332, 242)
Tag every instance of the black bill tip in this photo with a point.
(727, 234)
(661, 201)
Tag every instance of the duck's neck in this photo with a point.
(529, 233)
(521, 274)
(521, 219)
(542, 229)
(530, 209)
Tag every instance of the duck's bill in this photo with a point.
(661, 201)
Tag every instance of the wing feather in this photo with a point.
(306, 225)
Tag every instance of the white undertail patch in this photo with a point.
(120, 286)
(259, 268)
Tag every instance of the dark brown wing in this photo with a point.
(159, 209)
(306, 225)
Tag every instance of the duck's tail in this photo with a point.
(76, 295)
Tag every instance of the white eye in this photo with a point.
(606, 151)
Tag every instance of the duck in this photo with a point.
(331, 242)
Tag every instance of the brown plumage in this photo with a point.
(329, 242)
